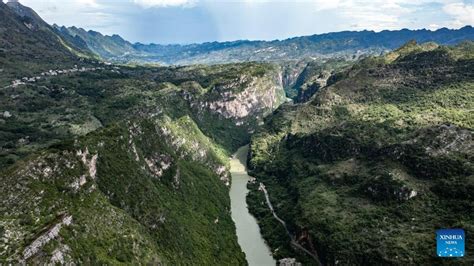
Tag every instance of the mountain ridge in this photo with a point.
(344, 44)
(29, 46)
(317, 45)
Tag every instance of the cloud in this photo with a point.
(327, 5)
(90, 3)
(89, 14)
(210, 20)
(369, 14)
(393, 14)
(462, 14)
(165, 3)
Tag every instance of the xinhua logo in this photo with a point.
(450, 242)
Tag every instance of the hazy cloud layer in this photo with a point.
(187, 21)
(164, 3)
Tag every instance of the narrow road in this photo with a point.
(294, 243)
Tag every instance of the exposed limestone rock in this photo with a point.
(7, 114)
(413, 193)
(176, 181)
(93, 166)
(257, 97)
(45, 238)
(449, 138)
(154, 169)
(157, 164)
(60, 254)
(134, 149)
(241, 99)
(289, 262)
(47, 171)
(79, 182)
(90, 164)
(220, 170)
(223, 173)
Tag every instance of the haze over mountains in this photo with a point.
(340, 44)
(359, 151)
(350, 44)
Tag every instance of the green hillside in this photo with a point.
(357, 159)
(153, 185)
(374, 163)
(119, 164)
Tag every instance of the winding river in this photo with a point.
(248, 233)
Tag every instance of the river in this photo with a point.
(248, 233)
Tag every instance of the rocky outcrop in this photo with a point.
(187, 140)
(46, 237)
(311, 86)
(289, 262)
(91, 163)
(444, 139)
(249, 97)
(157, 164)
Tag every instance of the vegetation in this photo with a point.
(373, 164)
(129, 211)
(131, 154)
(109, 164)
(314, 76)
(59, 107)
(29, 46)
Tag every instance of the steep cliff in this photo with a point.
(231, 110)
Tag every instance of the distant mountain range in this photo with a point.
(346, 44)
(339, 44)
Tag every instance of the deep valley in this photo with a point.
(112, 153)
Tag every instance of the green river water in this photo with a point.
(248, 233)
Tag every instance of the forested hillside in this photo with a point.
(375, 162)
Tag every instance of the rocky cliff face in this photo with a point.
(291, 71)
(230, 110)
(255, 98)
(303, 79)
(312, 85)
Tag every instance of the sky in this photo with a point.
(196, 21)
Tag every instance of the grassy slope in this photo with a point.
(350, 159)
